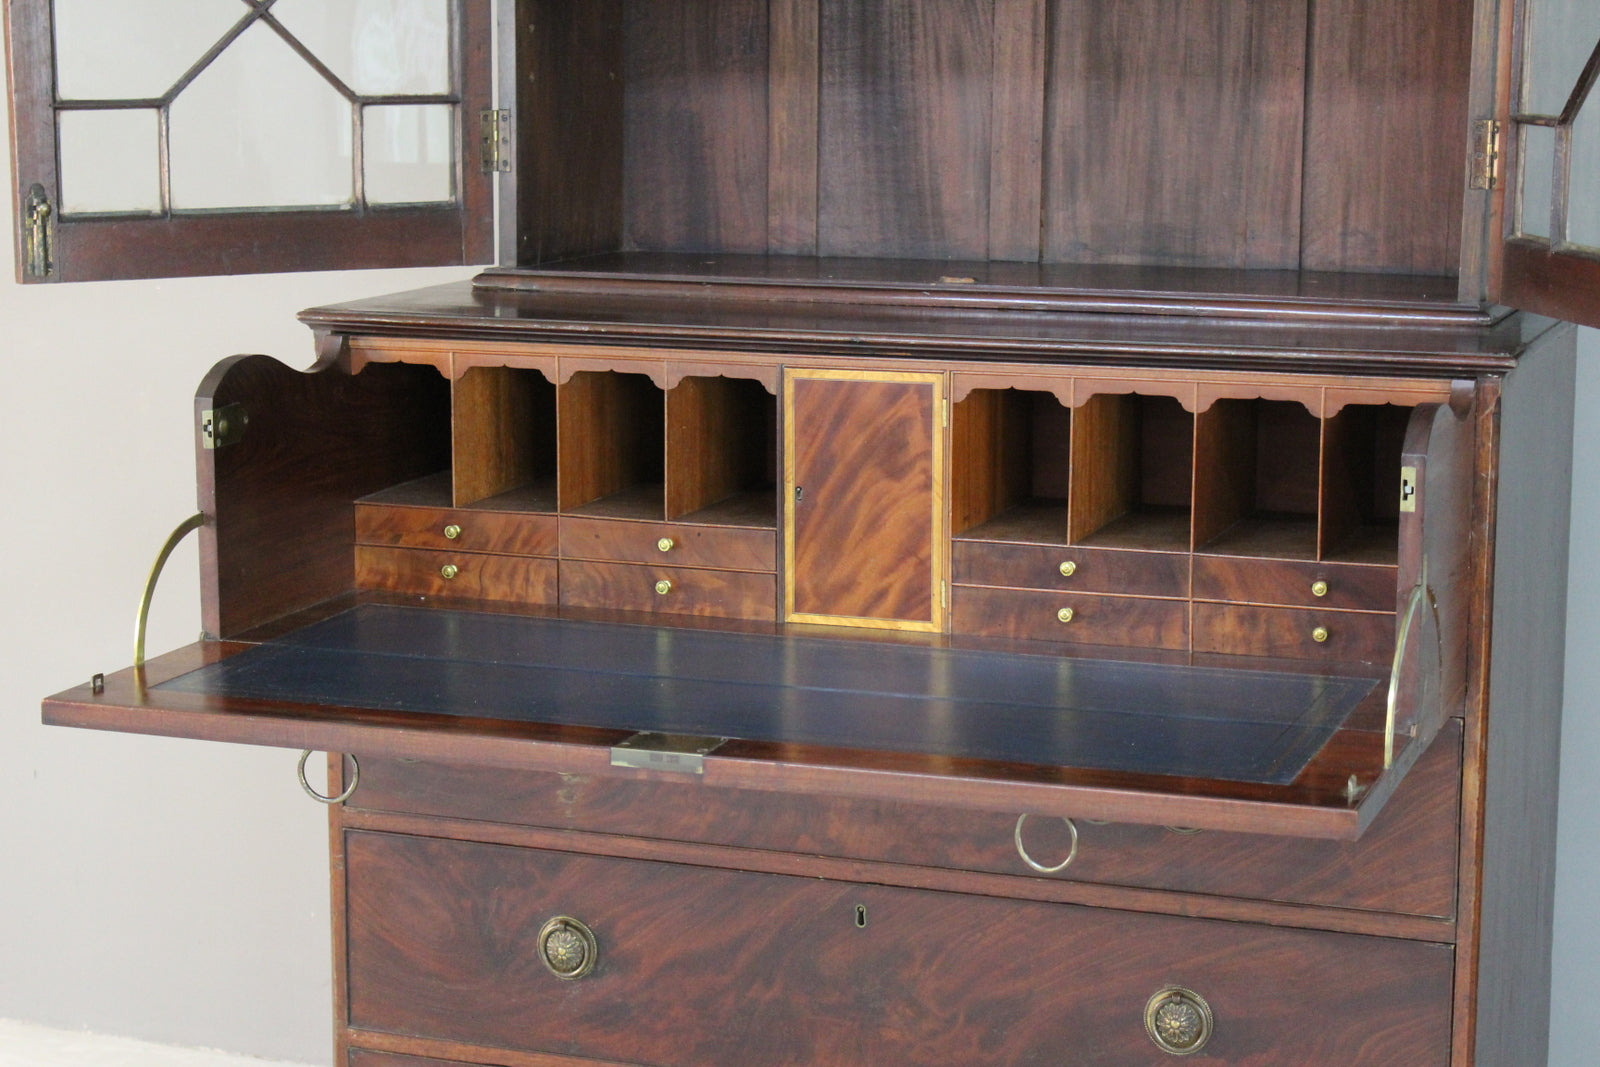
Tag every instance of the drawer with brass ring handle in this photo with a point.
(1022, 850)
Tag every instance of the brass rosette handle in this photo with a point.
(568, 948)
(1178, 1020)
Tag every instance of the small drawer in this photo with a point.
(1341, 586)
(1073, 618)
(1341, 636)
(456, 529)
(1082, 570)
(729, 548)
(669, 590)
(518, 579)
(691, 966)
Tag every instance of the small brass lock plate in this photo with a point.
(651, 751)
(224, 426)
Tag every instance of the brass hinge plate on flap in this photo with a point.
(494, 140)
(38, 222)
(1486, 154)
(649, 751)
(1408, 489)
(224, 426)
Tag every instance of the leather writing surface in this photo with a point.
(1253, 726)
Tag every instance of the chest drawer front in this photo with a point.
(670, 544)
(1070, 618)
(476, 531)
(702, 968)
(669, 590)
(456, 574)
(1331, 636)
(1078, 570)
(1340, 586)
(1405, 863)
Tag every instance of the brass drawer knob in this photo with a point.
(1064, 615)
(665, 544)
(1319, 588)
(452, 532)
(663, 587)
(1320, 635)
(1178, 1021)
(449, 571)
(1068, 568)
(568, 948)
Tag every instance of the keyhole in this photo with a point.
(799, 495)
(861, 916)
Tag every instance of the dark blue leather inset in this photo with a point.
(1251, 726)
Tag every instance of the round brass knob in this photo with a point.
(1319, 588)
(568, 948)
(449, 571)
(1064, 615)
(452, 531)
(1320, 634)
(1178, 1021)
(663, 587)
(1068, 568)
(665, 544)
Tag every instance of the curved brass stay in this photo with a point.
(1401, 641)
(193, 522)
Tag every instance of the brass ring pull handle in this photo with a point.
(355, 779)
(1400, 643)
(1072, 852)
(1178, 1020)
(568, 948)
(193, 522)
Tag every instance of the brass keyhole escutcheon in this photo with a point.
(663, 587)
(1320, 635)
(449, 571)
(1068, 568)
(1064, 615)
(568, 948)
(665, 544)
(1319, 588)
(1178, 1020)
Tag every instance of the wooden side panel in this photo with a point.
(988, 454)
(709, 968)
(905, 129)
(1174, 132)
(503, 431)
(864, 499)
(569, 94)
(279, 502)
(1394, 75)
(696, 125)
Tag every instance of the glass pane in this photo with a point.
(134, 49)
(408, 153)
(1583, 200)
(1537, 166)
(261, 128)
(110, 161)
(377, 47)
(1561, 35)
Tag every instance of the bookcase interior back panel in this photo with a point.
(1324, 135)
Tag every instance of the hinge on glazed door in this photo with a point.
(38, 222)
(1486, 154)
(494, 139)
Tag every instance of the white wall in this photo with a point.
(176, 890)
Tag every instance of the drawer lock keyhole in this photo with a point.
(861, 916)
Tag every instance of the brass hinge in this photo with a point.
(1486, 154)
(38, 221)
(651, 751)
(1408, 489)
(224, 426)
(494, 139)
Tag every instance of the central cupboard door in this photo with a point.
(864, 513)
